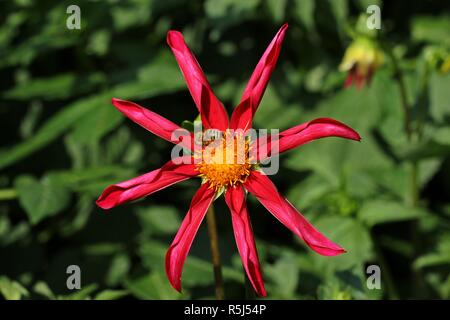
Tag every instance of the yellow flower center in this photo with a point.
(224, 162)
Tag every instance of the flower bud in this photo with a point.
(361, 59)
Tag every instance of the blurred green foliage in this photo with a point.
(386, 200)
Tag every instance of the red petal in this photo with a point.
(349, 80)
(304, 133)
(265, 191)
(153, 122)
(243, 233)
(257, 84)
(211, 109)
(360, 80)
(147, 184)
(179, 249)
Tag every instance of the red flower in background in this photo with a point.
(234, 178)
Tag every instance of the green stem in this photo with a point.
(414, 184)
(8, 194)
(422, 101)
(398, 75)
(413, 199)
(215, 252)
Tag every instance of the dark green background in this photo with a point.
(62, 143)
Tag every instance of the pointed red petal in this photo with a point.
(179, 249)
(257, 84)
(243, 233)
(212, 112)
(146, 184)
(304, 133)
(265, 191)
(154, 123)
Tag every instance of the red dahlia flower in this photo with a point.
(235, 179)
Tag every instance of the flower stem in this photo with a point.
(414, 192)
(215, 252)
(8, 194)
(398, 76)
(408, 126)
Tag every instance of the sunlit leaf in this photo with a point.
(111, 294)
(41, 199)
(152, 286)
(12, 290)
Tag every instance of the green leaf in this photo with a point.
(53, 128)
(277, 9)
(9, 28)
(273, 113)
(135, 13)
(99, 42)
(11, 290)
(395, 179)
(351, 235)
(440, 283)
(283, 275)
(150, 81)
(306, 193)
(28, 124)
(55, 87)
(149, 84)
(439, 96)
(43, 289)
(159, 219)
(339, 8)
(432, 259)
(432, 29)
(41, 199)
(118, 269)
(332, 290)
(61, 86)
(304, 10)
(111, 294)
(398, 245)
(223, 8)
(73, 178)
(14, 233)
(82, 294)
(196, 271)
(364, 4)
(442, 136)
(96, 123)
(375, 212)
(423, 151)
(153, 286)
(105, 248)
(335, 158)
(439, 257)
(83, 209)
